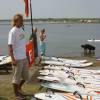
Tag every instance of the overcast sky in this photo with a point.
(52, 8)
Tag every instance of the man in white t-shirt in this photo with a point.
(17, 51)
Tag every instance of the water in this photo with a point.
(62, 39)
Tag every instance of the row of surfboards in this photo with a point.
(89, 84)
(53, 61)
(72, 83)
(5, 59)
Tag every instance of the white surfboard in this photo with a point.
(63, 73)
(87, 83)
(49, 78)
(77, 65)
(69, 88)
(74, 70)
(67, 80)
(58, 79)
(5, 60)
(72, 60)
(50, 96)
(54, 67)
(54, 73)
(65, 59)
(93, 40)
(2, 57)
(68, 96)
(63, 77)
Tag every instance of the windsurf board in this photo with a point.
(50, 96)
(64, 59)
(77, 65)
(67, 96)
(69, 88)
(93, 40)
(5, 60)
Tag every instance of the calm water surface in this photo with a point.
(62, 39)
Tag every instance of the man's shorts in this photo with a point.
(20, 71)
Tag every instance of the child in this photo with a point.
(42, 44)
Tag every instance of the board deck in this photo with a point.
(46, 96)
(5, 60)
(65, 59)
(76, 65)
(93, 40)
(69, 88)
(67, 96)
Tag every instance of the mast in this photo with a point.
(31, 18)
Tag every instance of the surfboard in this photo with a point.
(55, 73)
(54, 67)
(48, 78)
(50, 96)
(76, 65)
(72, 60)
(93, 40)
(5, 63)
(5, 60)
(60, 73)
(68, 96)
(74, 70)
(69, 88)
(66, 80)
(76, 96)
(3, 56)
(87, 82)
(86, 78)
(64, 59)
(80, 72)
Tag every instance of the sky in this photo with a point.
(52, 8)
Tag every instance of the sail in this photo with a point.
(26, 7)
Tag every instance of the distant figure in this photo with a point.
(88, 48)
(42, 44)
(33, 37)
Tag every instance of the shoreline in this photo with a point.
(60, 20)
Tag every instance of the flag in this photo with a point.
(26, 7)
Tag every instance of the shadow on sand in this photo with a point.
(30, 97)
(3, 98)
(5, 73)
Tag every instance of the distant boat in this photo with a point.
(93, 40)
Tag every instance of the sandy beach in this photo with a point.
(6, 92)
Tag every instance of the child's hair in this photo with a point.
(43, 30)
(16, 18)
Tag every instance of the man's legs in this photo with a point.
(20, 86)
(15, 88)
(16, 80)
(25, 75)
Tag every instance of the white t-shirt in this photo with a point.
(16, 38)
